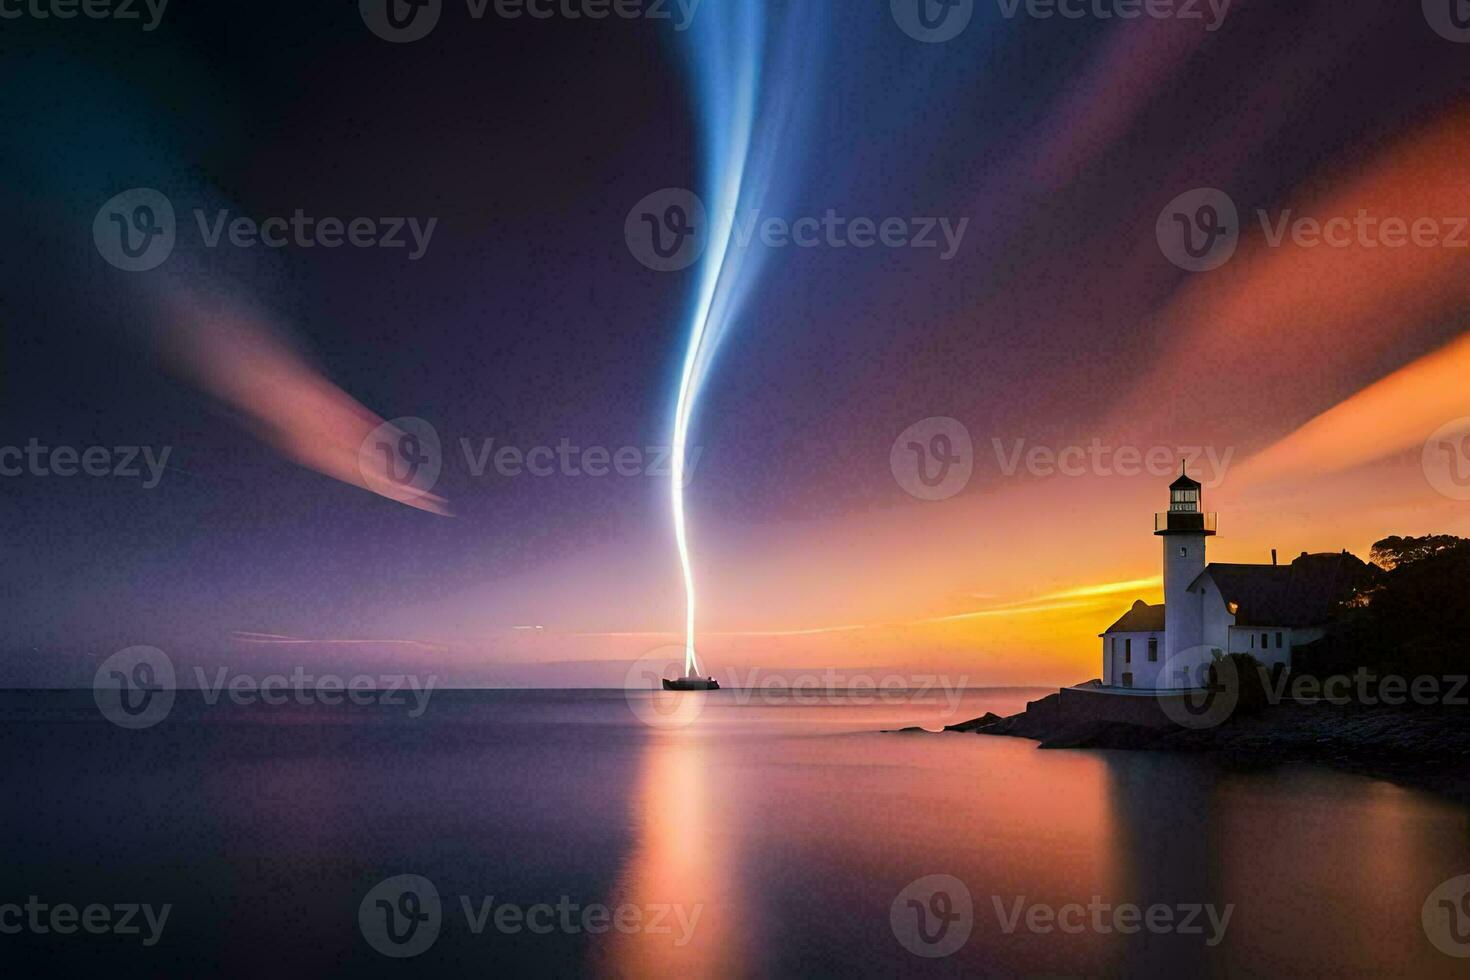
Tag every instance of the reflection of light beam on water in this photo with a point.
(725, 51)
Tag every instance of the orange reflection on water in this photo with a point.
(678, 862)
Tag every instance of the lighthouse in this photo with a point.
(1183, 528)
(1214, 609)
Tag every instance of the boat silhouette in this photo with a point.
(691, 682)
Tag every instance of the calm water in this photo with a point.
(791, 828)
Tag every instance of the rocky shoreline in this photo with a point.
(1424, 747)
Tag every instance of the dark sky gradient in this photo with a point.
(529, 321)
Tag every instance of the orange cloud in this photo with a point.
(237, 358)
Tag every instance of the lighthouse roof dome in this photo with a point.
(1184, 483)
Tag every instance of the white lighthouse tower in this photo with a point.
(1183, 529)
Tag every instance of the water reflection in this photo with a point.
(789, 830)
(681, 859)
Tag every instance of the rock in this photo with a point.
(975, 724)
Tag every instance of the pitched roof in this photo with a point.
(1140, 618)
(1300, 594)
(1184, 483)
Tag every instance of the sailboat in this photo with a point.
(691, 682)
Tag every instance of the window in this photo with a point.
(1115, 646)
(1265, 641)
(1278, 641)
(1184, 500)
(1153, 649)
(1127, 680)
(1253, 641)
(1128, 651)
(1183, 551)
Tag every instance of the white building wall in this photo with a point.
(1117, 660)
(1270, 645)
(1203, 625)
(1184, 560)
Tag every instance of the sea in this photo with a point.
(722, 834)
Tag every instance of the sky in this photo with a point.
(1319, 383)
